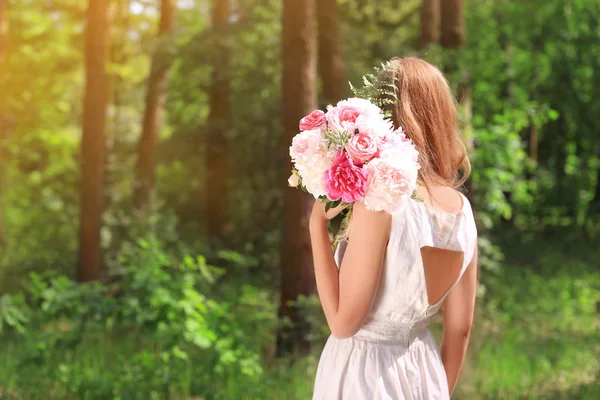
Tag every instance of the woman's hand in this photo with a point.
(320, 216)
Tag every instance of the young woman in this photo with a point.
(386, 281)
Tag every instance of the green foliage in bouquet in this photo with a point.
(337, 139)
(379, 87)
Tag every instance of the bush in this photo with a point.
(161, 327)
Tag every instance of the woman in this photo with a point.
(396, 272)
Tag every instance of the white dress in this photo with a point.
(394, 356)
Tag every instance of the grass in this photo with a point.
(536, 337)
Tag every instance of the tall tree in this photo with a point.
(93, 141)
(299, 98)
(155, 94)
(430, 22)
(331, 62)
(452, 24)
(217, 156)
(3, 51)
(3, 31)
(453, 33)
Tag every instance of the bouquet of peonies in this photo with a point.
(352, 153)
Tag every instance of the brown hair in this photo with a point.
(427, 111)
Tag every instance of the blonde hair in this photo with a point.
(427, 111)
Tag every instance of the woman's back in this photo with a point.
(399, 269)
(430, 247)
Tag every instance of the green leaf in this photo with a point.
(415, 196)
(379, 88)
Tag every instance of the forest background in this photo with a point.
(150, 247)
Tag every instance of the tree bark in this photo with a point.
(299, 98)
(115, 126)
(430, 23)
(331, 61)
(453, 35)
(596, 200)
(533, 142)
(3, 32)
(533, 129)
(217, 155)
(93, 141)
(3, 51)
(155, 94)
(452, 23)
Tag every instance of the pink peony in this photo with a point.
(314, 120)
(349, 114)
(344, 180)
(346, 113)
(361, 147)
(392, 139)
(305, 144)
(392, 180)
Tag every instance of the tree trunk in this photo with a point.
(430, 23)
(299, 98)
(3, 32)
(217, 156)
(115, 126)
(155, 94)
(331, 61)
(537, 44)
(596, 200)
(93, 141)
(453, 37)
(3, 51)
(533, 142)
(452, 23)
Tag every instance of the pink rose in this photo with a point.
(344, 180)
(361, 147)
(314, 120)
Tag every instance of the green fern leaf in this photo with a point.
(379, 88)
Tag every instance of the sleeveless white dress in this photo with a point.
(394, 356)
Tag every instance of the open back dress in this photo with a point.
(394, 356)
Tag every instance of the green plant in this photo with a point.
(379, 87)
(159, 324)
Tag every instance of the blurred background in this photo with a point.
(150, 247)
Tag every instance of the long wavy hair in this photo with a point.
(427, 111)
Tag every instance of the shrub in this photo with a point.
(161, 327)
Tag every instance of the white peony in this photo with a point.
(375, 126)
(311, 159)
(312, 179)
(306, 144)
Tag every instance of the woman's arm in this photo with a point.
(347, 295)
(334, 212)
(458, 311)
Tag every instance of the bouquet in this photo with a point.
(352, 153)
